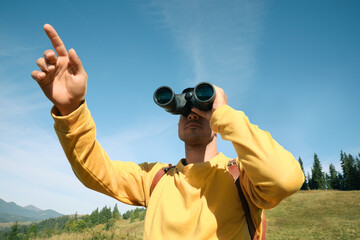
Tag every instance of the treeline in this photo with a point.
(348, 179)
(75, 223)
(138, 213)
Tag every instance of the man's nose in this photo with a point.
(193, 116)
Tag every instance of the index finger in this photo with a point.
(55, 40)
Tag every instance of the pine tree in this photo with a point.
(350, 172)
(126, 215)
(105, 214)
(95, 218)
(132, 217)
(137, 213)
(31, 232)
(318, 179)
(14, 231)
(305, 185)
(345, 171)
(142, 216)
(116, 213)
(357, 181)
(334, 178)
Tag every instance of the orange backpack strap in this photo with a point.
(158, 176)
(235, 173)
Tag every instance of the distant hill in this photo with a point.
(33, 208)
(11, 212)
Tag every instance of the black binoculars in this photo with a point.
(201, 97)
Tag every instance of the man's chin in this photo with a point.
(196, 140)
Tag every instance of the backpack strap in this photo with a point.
(158, 176)
(235, 173)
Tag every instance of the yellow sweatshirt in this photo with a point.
(196, 201)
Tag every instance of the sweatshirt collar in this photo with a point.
(201, 165)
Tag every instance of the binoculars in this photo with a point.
(201, 96)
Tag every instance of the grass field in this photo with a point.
(316, 215)
(305, 215)
(123, 230)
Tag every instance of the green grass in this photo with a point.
(316, 215)
(123, 230)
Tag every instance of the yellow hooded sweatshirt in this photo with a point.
(196, 201)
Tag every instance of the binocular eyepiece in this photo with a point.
(201, 97)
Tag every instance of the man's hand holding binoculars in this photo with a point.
(63, 78)
(220, 100)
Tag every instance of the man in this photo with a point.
(195, 200)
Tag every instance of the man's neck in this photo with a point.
(200, 153)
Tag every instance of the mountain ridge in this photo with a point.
(33, 208)
(11, 212)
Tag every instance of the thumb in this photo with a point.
(201, 113)
(75, 61)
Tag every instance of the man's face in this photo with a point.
(195, 130)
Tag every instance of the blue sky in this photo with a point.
(291, 66)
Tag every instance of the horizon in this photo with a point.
(34, 208)
(293, 68)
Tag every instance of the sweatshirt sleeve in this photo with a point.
(127, 182)
(269, 173)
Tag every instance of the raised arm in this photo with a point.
(63, 80)
(269, 173)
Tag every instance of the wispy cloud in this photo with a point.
(12, 51)
(218, 37)
(13, 46)
(14, 100)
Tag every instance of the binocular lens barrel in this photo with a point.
(204, 92)
(163, 95)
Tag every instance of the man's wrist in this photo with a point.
(71, 122)
(68, 109)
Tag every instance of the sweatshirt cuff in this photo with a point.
(218, 116)
(69, 123)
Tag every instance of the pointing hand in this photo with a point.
(62, 78)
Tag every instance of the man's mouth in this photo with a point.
(192, 124)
